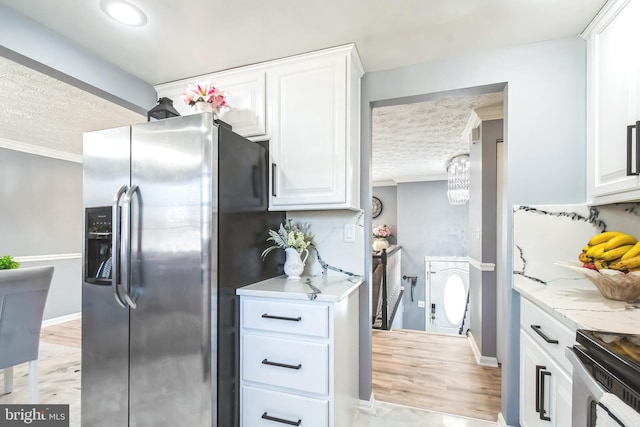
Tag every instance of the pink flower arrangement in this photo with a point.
(382, 231)
(205, 92)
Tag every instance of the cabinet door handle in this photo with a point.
(273, 179)
(291, 319)
(538, 400)
(266, 416)
(538, 331)
(543, 374)
(281, 365)
(637, 172)
(630, 162)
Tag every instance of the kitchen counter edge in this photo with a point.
(332, 288)
(579, 305)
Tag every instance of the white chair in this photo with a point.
(23, 293)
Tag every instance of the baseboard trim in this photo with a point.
(54, 257)
(481, 360)
(61, 319)
(367, 406)
(501, 421)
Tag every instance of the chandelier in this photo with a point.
(458, 180)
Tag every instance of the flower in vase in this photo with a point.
(207, 93)
(382, 231)
(289, 235)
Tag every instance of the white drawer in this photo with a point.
(536, 322)
(292, 318)
(297, 365)
(258, 405)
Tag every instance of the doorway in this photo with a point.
(435, 307)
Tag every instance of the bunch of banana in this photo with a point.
(613, 250)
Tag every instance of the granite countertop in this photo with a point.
(578, 304)
(331, 288)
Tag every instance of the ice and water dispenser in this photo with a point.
(98, 245)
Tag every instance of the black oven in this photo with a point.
(603, 363)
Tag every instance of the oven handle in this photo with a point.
(581, 371)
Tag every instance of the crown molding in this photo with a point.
(479, 115)
(407, 179)
(491, 112)
(40, 151)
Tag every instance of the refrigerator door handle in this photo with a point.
(125, 286)
(115, 246)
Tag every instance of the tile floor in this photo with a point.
(59, 373)
(392, 415)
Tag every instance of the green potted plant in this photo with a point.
(8, 263)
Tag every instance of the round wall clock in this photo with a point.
(376, 207)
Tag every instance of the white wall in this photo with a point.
(544, 144)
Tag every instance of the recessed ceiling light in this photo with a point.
(124, 12)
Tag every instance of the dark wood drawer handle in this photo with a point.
(281, 365)
(291, 319)
(265, 416)
(537, 330)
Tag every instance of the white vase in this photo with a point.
(380, 243)
(294, 265)
(205, 107)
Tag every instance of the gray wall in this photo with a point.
(41, 216)
(389, 198)
(428, 226)
(483, 235)
(545, 84)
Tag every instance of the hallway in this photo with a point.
(434, 372)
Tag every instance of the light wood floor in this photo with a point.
(68, 334)
(412, 368)
(434, 372)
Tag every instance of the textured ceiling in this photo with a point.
(189, 38)
(410, 141)
(413, 142)
(40, 110)
(194, 37)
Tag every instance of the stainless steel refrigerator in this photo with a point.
(175, 220)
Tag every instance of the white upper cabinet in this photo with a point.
(245, 92)
(308, 107)
(314, 128)
(613, 103)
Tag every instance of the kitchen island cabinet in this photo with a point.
(298, 352)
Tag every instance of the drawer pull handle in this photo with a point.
(291, 319)
(265, 416)
(538, 331)
(281, 365)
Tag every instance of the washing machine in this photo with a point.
(446, 294)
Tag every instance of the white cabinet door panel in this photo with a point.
(268, 408)
(613, 99)
(308, 146)
(284, 317)
(296, 365)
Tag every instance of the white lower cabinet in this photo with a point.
(270, 408)
(545, 381)
(298, 362)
